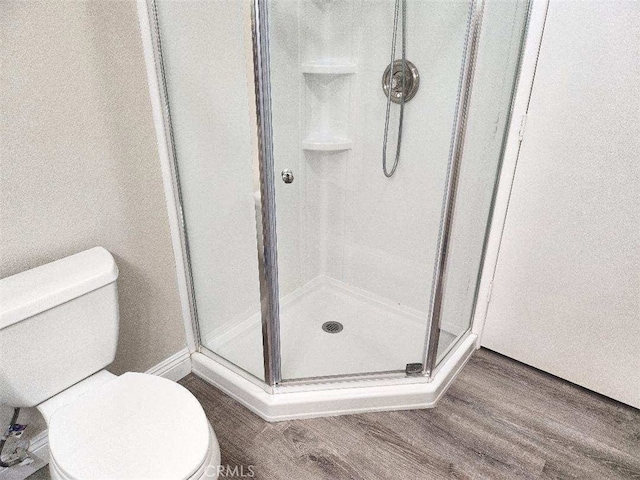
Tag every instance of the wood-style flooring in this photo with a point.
(499, 420)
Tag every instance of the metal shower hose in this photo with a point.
(387, 173)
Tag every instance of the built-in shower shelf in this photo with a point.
(328, 68)
(327, 144)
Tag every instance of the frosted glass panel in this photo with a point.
(498, 55)
(207, 58)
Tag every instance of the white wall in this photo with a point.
(392, 224)
(566, 294)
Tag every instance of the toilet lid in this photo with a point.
(136, 426)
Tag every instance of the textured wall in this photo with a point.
(79, 165)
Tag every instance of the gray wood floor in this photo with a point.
(500, 419)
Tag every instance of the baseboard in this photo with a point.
(174, 368)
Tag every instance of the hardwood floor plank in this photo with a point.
(551, 418)
(499, 420)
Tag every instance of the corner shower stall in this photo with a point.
(335, 163)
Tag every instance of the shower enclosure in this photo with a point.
(319, 283)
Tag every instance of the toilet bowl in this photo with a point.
(134, 426)
(58, 332)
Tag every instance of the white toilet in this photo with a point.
(58, 331)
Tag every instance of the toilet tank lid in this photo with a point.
(31, 292)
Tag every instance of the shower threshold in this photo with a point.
(356, 395)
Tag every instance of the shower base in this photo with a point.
(333, 398)
(378, 336)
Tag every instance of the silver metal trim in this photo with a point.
(448, 206)
(341, 378)
(269, 273)
(175, 176)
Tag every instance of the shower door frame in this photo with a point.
(268, 258)
(269, 286)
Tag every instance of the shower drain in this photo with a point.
(332, 327)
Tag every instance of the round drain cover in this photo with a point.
(332, 327)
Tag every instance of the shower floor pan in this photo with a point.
(377, 336)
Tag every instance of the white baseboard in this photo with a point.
(174, 368)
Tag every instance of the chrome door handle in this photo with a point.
(287, 175)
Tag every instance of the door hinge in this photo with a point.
(413, 369)
(489, 292)
(523, 124)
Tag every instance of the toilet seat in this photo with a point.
(136, 426)
(208, 470)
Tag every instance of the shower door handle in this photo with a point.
(287, 175)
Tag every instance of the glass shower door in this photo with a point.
(356, 249)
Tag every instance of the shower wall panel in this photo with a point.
(391, 224)
(353, 224)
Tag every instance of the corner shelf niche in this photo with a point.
(328, 68)
(327, 65)
(327, 143)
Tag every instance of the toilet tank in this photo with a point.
(58, 325)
